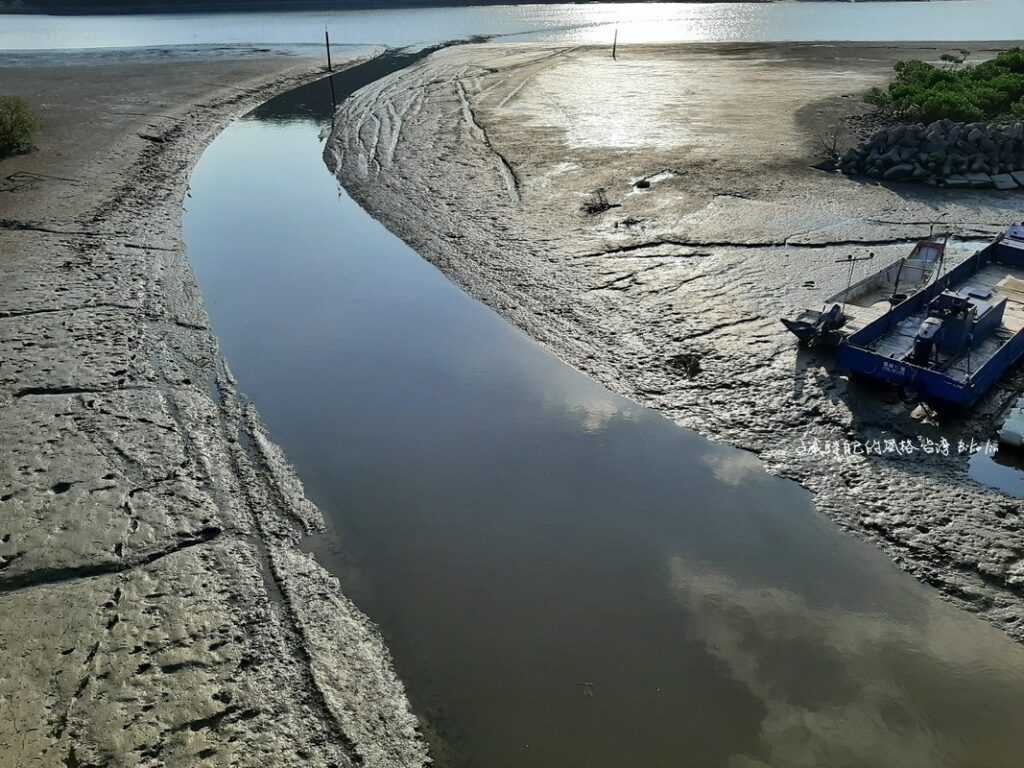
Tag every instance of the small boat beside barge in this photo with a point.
(954, 339)
(868, 299)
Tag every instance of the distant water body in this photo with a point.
(587, 23)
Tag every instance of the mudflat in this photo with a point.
(154, 609)
(650, 217)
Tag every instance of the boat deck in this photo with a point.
(858, 317)
(869, 299)
(1001, 280)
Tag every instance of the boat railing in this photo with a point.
(1009, 350)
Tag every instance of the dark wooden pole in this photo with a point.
(330, 77)
(615, 42)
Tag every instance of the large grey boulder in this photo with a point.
(901, 171)
(1004, 181)
(980, 165)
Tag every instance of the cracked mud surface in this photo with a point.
(154, 609)
(484, 159)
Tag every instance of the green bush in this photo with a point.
(17, 124)
(950, 106)
(925, 92)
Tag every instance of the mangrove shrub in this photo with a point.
(924, 92)
(17, 124)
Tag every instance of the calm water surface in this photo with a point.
(1003, 471)
(565, 578)
(648, 22)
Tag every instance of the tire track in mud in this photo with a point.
(505, 169)
(522, 83)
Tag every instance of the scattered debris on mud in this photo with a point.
(685, 363)
(597, 202)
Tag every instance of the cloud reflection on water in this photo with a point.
(734, 467)
(842, 688)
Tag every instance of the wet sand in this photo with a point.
(484, 159)
(154, 608)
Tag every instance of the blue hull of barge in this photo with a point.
(856, 355)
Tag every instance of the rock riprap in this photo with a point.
(944, 152)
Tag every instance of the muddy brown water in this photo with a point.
(564, 578)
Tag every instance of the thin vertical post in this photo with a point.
(615, 42)
(330, 69)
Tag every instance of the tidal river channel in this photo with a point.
(564, 578)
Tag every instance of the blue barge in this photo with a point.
(952, 340)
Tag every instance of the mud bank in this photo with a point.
(154, 609)
(514, 169)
